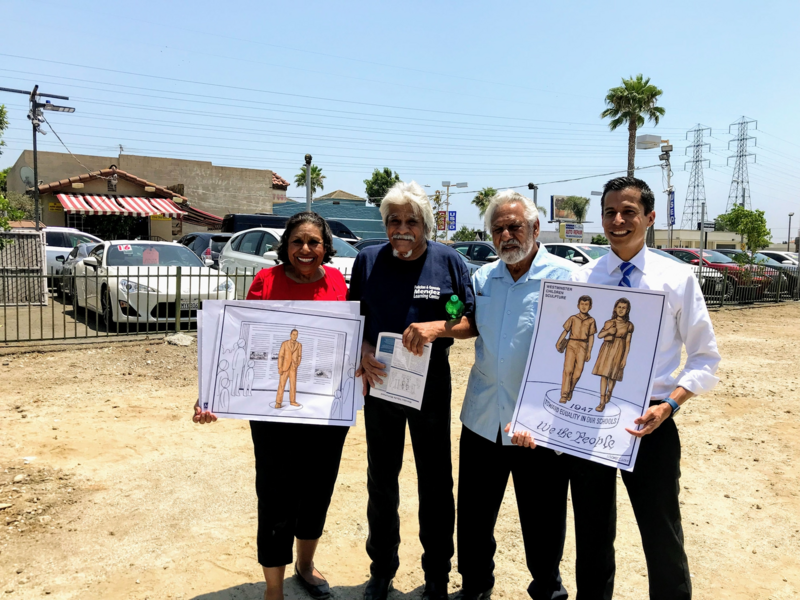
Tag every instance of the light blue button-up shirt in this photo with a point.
(505, 312)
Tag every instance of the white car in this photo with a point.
(137, 282)
(59, 242)
(249, 251)
(785, 258)
(580, 254)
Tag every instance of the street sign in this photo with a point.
(573, 231)
(672, 208)
(451, 220)
(706, 226)
(441, 220)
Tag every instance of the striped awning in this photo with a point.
(88, 204)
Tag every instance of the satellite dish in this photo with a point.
(26, 174)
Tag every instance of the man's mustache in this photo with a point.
(510, 244)
(404, 237)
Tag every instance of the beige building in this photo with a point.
(216, 190)
(84, 201)
(690, 238)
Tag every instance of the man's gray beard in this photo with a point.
(517, 255)
(396, 254)
(405, 238)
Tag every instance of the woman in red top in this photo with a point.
(299, 511)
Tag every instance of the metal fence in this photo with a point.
(140, 300)
(22, 260)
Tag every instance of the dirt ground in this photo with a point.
(107, 490)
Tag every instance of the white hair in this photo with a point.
(507, 197)
(411, 193)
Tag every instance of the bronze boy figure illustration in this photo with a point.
(289, 357)
(581, 329)
(613, 355)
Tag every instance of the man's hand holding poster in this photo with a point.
(590, 370)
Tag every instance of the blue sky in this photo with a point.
(496, 94)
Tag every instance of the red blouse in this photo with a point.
(273, 284)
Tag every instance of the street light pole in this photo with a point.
(446, 184)
(789, 239)
(308, 183)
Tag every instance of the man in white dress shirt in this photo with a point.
(628, 210)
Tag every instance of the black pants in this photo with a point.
(293, 506)
(541, 479)
(653, 487)
(430, 438)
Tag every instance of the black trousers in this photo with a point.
(541, 480)
(653, 487)
(430, 438)
(308, 456)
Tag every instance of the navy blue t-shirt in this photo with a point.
(395, 293)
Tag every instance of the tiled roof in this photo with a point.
(339, 195)
(61, 184)
(279, 182)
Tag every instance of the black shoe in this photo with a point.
(462, 595)
(434, 591)
(378, 588)
(319, 592)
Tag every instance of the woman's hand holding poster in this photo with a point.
(590, 370)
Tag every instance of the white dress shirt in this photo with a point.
(686, 324)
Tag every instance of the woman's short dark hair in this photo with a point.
(622, 183)
(311, 218)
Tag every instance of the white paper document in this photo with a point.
(590, 370)
(280, 361)
(406, 373)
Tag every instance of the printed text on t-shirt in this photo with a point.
(428, 292)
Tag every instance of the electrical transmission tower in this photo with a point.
(740, 182)
(696, 191)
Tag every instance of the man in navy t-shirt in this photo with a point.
(403, 287)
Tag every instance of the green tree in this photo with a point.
(3, 125)
(600, 240)
(629, 104)
(482, 199)
(749, 223)
(4, 179)
(316, 179)
(465, 234)
(380, 183)
(7, 213)
(578, 205)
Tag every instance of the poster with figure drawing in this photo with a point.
(590, 370)
(273, 361)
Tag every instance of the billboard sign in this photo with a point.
(573, 231)
(451, 220)
(558, 212)
(441, 220)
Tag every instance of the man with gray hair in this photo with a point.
(506, 297)
(403, 287)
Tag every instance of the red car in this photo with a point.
(747, 282)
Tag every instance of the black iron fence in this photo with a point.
(93, 302)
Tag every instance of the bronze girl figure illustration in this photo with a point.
(613, 356)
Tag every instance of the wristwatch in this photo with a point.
(675, 406)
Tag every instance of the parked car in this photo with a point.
(247, 252)
(361, 244)
(478, 253)
(470, 265)
(714, 282)
(580, 254)
(785, 258)
(784, 277)
(234, 223)
(60, 241)
(206, 245)
(740, 278)
(136, 282)
(66, 282)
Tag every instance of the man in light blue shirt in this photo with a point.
(506, 297)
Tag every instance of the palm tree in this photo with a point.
(316, 179)
(482, 199)
(629, 104)
(578, 205)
